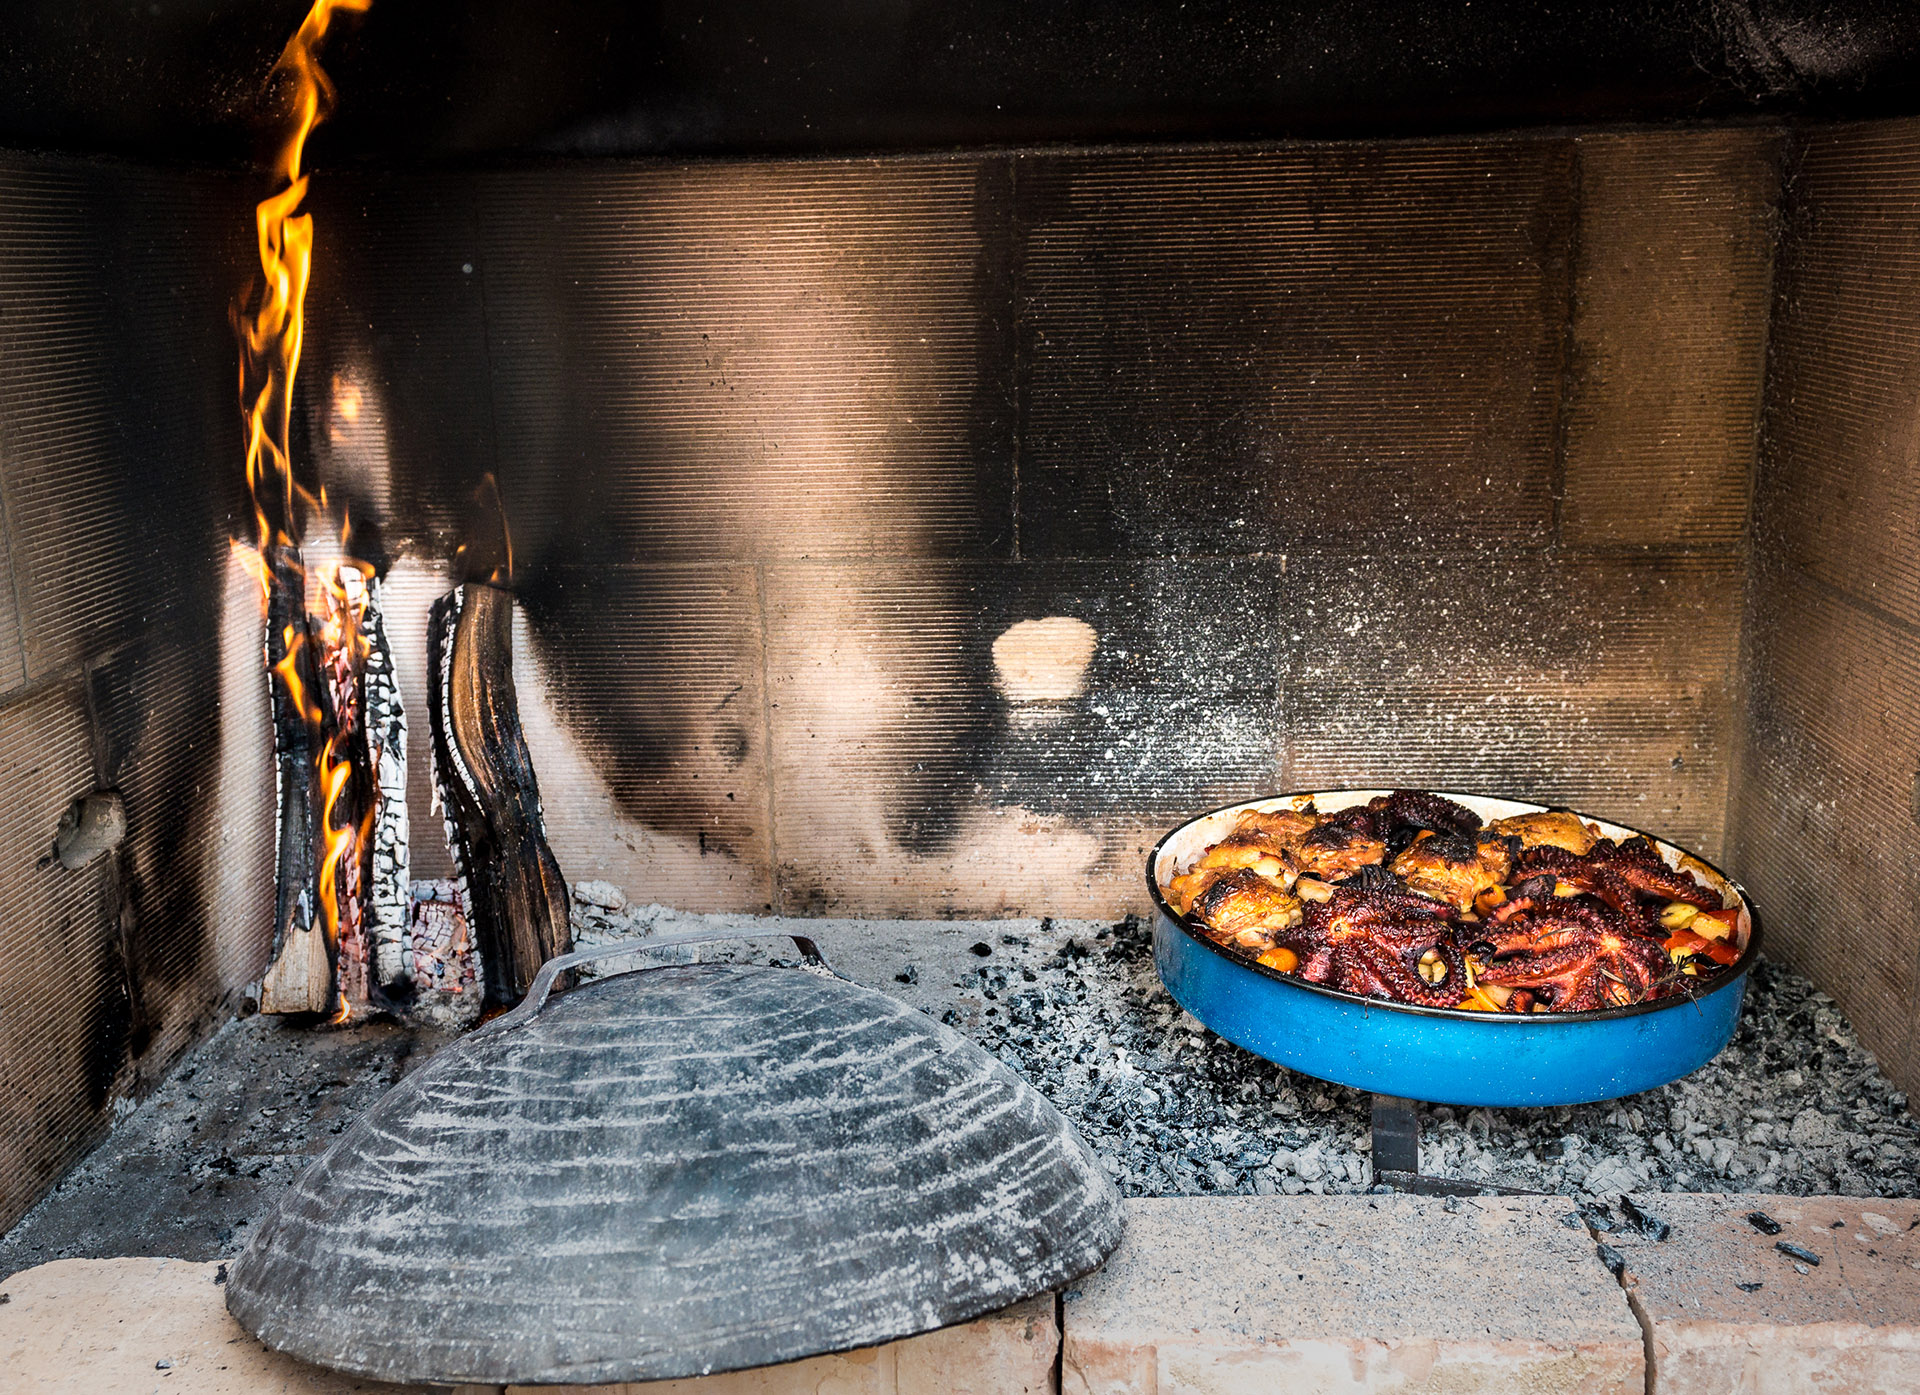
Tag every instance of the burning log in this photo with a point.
(346, 784)
(484, 775)
(313, 654)
(343, 873)
(301, 976)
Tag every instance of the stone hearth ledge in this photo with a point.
(1848, 1324)
(1238, 1295)
(105, 1326)
(1217, 1296)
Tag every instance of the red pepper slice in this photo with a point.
(1689, 943)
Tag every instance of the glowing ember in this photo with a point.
(317, 657)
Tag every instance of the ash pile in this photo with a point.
(1794, 1104)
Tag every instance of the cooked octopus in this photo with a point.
(1619, 874)
(1408, 897)
(1570, 955)
(1433, 812)
(1384, 944)
(1454, 867)
(1558, 870)
(1640, 865)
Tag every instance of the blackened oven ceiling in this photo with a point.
(176, 79)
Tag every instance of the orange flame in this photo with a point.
(272, 331)
(270, 320)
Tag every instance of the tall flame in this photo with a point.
(273, 328)
(270, 321)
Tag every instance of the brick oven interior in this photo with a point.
(1571, 455)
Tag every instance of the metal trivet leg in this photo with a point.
(1396, 1155)
(1396, 1136)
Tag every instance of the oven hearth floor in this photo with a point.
(1794, 1105)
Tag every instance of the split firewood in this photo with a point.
(346, 785)
(389, 862)
(300, 980)
(344, 903)
(484, 775)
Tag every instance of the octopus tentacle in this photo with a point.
(1577, 956)
(1598, 879)
(1426, 810)
(1638, 863)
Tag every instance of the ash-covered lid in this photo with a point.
(677, 1171)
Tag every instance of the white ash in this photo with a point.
(1794, 1104)
(601, 915)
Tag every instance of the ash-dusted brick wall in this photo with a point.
(1828, 795)
(1352, 463)
(129, 645)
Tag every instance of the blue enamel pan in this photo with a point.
(1442, 1055)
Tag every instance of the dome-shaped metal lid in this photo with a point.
(680, 1170)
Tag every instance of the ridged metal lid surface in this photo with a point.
(682, 1170)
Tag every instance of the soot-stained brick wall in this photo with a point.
(1828, 790)
(129, 644)
(925, 535)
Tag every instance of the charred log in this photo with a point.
(301, 978)
(342, 764)
(346, 786)
(386, 743)
(484, 775)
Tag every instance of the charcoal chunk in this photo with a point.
(1645, 1222)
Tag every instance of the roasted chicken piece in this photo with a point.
(1246, 908)
(1283, 826)
(1553, 828)
(1333, 849)
(1260, 841)
(1454, 867)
